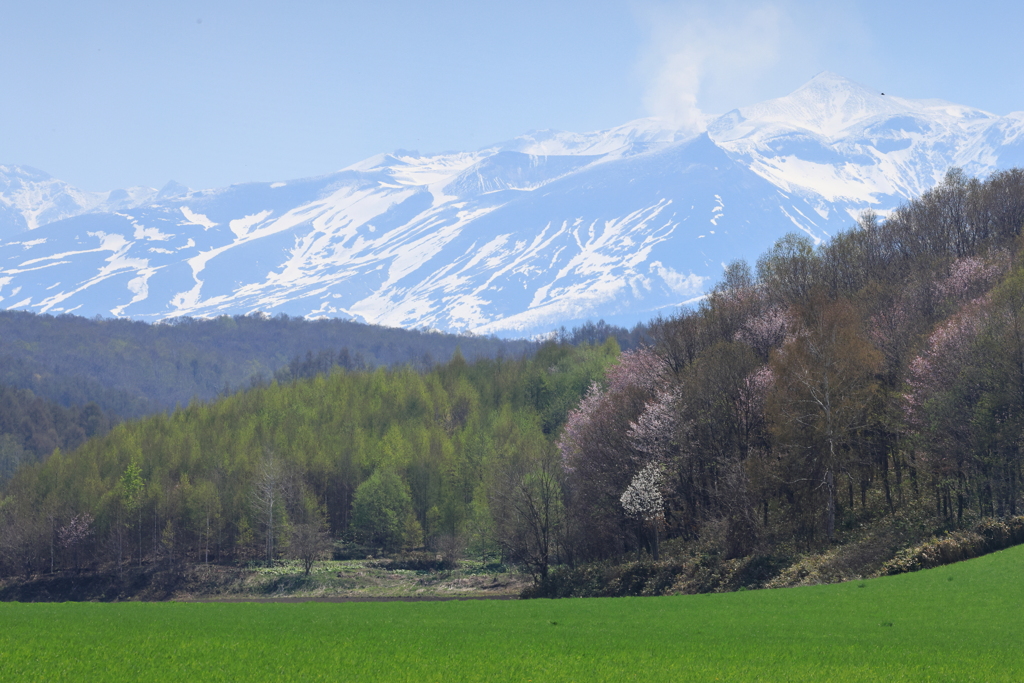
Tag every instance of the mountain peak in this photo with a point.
(28, 173)
(172, 189)
(830, 89)
(830, 79)
(827, 104)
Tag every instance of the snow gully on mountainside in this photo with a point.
(544, 230)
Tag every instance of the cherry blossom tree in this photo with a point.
(766, 331)
(642, 501)
(971, 276)
(598, 455)
(654, 432)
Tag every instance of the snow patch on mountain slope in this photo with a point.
(345, 202)
(117, 262)
(683, 285)
(139, 286)
(846, 182)
(241, 226)
(193, 218)
(151, 234)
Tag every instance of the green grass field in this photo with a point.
(963, 622)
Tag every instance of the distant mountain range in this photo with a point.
(545, 230)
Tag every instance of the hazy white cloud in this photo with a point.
(694, 43)
(706, 58)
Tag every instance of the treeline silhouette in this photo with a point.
(132, 368)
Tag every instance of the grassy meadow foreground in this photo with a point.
(958, 622)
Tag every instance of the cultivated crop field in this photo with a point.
(961, 622)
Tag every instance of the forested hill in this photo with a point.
(849, 397)
(131, 368)
(64, 379)
(431, 455)
(32, 427)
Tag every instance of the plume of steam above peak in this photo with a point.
(672, 95)
(696, 48)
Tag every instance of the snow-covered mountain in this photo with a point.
(550, 228)
(30, 198)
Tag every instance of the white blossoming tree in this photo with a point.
(642, 500)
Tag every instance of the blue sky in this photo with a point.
(114, 94)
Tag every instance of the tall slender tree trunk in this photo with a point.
(207, 539)
(655, 546)
(270, 533)
(140, 534)
(53, 532)
(830, 486)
